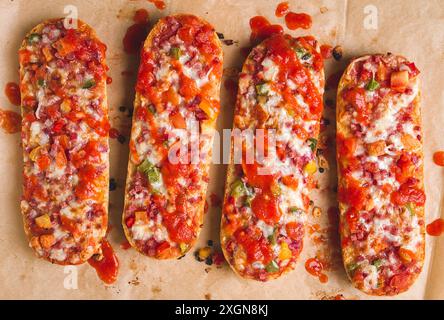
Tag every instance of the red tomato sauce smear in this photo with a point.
(282, 9)
(107, 265)
(438, 158)
(12, 91)
(261, 29)
(10, 121)
(136, 34)
(436, 228)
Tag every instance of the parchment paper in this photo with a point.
(413, 28)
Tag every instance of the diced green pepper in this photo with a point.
(152, 109)
(151, 171)
(302, 53)
(313, 144)
(33, 38)
(248, 200)
(294, 210)
(372, 85)
(175, 52)
(273, 238)
(272, 267)
(238, 189)
(41, 82)
(89, 84)
(378, 263)
(262, 89)
(410, 209)
(352, 267)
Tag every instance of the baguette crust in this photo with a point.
(65, 141)
(178, 87)
(280, 89)
(380, 171)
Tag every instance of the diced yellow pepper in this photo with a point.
(141, 216)
(285, 252)
(183, 247)
(43, 221)
(310, 168)
(208, 109)
(34, 154)
(65, 106)
(204, 253)
(47, 53)
(47, 240)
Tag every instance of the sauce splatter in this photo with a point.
(282, 9)
(114, 133)
(136, 34)
(215, 200)
(316, 268)
(326, 51)
(10, 121)
(438, 158)
(141, 16)
(261, 29)
(297, 21)
(125, 245)
(158, 3)
(436, 228)
(12, 91)
(107, 267)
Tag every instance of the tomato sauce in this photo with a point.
(108, 267)
(160, 4)
(436, 228)
(281, 53)
(261, 29)
(215, 200)
(282, 9)
(298, 21)
(10, 121)
(114, 133)
(12, 91)
(125, 245)
(316, 268)
(136, 34)
(326, 51)
(141, 16)
(438, 158)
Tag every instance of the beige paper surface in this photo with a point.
(413, 28)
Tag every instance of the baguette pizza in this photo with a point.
(175, 112)
(65, 141)
(380, 167)
(266, 198)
